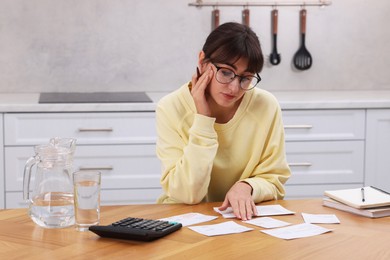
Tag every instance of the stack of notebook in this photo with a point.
(367, 201)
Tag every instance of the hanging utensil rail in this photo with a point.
(321, 3)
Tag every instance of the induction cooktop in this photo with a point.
(94, 97)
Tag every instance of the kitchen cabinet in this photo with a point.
(377, 171)
(2, 184)
(120, 145)
(325, 150)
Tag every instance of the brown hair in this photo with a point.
(231, 41)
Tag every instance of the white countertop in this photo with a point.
(333, 99)
(28, 102)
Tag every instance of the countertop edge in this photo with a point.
(289, 100)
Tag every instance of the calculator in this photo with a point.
(139, 229)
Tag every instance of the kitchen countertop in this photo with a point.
(28, 102)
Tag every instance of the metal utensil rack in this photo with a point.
(320, 3)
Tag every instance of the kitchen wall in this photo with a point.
(152, 45)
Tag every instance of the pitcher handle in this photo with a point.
(27, 176)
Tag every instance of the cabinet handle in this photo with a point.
(307, 164)
(298, 126)
(96, 129)
(102, 168)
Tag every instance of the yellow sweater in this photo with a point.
(201, 159)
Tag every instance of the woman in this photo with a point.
(219, 138)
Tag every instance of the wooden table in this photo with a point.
(355, 238)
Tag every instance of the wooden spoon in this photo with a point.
(215, 19)
(245, 17)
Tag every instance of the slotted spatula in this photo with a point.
(302, 58)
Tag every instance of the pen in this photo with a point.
(362, 190)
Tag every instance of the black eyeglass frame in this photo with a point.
(257, 76)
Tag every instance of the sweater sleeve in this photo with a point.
(186, 156)
(272, 171)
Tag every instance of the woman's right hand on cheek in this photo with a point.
(198, 91)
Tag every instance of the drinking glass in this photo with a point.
(86, 198)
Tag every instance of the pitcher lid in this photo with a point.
(58, 149)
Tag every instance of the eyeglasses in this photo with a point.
(225, 76)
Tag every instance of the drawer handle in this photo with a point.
(96, 129)
(307, 164)
(103, 168)
(298, 126)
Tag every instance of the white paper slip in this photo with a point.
(267, 222)
(190, 218)
(297, 231)
(272, 210)
(229, 227)
(320, 218)
(267, 210)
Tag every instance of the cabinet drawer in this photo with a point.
(122, 166)
(2, 183)
(324, 124)
(325, 162)
(87, 128)
(107, 197)
(314, 191)
(130, 196)
(378, 148)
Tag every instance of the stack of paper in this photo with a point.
(367, 201)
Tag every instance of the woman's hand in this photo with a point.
(198, 91)
(240, 199)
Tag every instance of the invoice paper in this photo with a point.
(296, 231)
(320, 218)
(229, 227)
(267, 210)
(190, 218)
(267, 222)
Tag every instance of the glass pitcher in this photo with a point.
(51, 200)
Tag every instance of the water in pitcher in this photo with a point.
(53, 210)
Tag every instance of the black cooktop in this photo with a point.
(94, 97)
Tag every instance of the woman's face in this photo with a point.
(227, 95)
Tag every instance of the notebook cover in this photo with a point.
(353, 197)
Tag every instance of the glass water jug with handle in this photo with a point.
(51, 201)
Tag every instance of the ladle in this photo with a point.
(274, 57)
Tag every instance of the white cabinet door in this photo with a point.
(122, 166)
(108, 197)
(130, 196)
(2, 174)
(332, 162)
(313, 191)
(87, 128)
(378, 148)
(119, 144)
(130, 173)
(318, 125)
(126, 166)
(325, 150)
